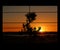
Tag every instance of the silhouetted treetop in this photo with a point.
(31, 16)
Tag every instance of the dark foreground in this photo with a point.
(24, 38)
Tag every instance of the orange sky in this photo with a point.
(20, 17)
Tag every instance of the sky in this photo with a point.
(46, 18)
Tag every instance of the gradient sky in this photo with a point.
(45, 15)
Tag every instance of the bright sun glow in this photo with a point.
(42, 29)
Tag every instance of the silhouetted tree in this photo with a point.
(39, 28)
(34, 29)
(30, 17)
(24, 27)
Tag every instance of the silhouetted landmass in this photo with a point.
(28, 37)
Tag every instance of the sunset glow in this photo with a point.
(41, 30)
(46, 19)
